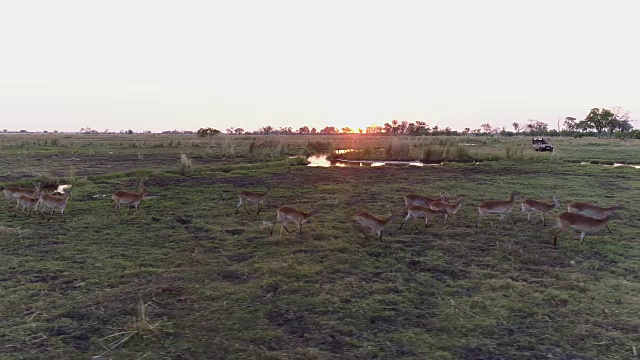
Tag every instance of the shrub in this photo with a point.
(252, 148)
(319, 146)
(186, 167)
(397, 150)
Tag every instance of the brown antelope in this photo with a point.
(132, 199)
(498, 207)
(416, 199)
(529, 206)
(372, 222)
(449, 209)
(582, 223)
(252, 197)
(417, 211)
(593, 211)
(285, 213)
(54, 202)
(28, 202)
(14, 192)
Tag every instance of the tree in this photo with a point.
(619, 115)
(625, 125)
(328, 130)
(583, 125)
(486, 128)
(347, 130)
(303, 130)
(402, 127)
(374, 129)
(239, 131)
(516, 127)
(600, 119)
(266, 130)
(417, 128)
(230, 130)
(388, 128)
(537, 127)
(210, 132)
(570, 123)
(285, 130)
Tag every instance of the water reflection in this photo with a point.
(629, 165)
(322, 161)
(636, 166)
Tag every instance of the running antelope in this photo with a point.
(593, 211)
(416, 199)
(28, 202)
(529, 206)
(14, 192)
(449, 209)
(372, 222)
(54, 202)
(252, 197)
(582, 223)
(417, 211)
(132, 199)
(498, 207)
(285, 213)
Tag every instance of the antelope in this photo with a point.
(372, 222)
(250, 196)
(28, 202)
(498, 207)
(14, 192)
(285, 213)
(129, 198)
(54, 202)
(529, 206)
(449, 209)
(417, 211)
(582, 223)
(416, 199)
(593, 211)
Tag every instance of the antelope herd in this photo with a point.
(29, 200)
(582, 217)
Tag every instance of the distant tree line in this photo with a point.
(598, 122)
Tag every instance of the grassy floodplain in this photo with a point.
(185, 278)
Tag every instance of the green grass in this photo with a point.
(186, 278)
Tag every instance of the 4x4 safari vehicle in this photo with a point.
(539, 144)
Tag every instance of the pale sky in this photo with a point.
(161, 65)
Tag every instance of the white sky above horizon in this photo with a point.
(163, 65)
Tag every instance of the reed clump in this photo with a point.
(514, 152)
(398, 150)
(319, 146)
(186, 166)
(280, 151)
(253, 145)
(447, 152)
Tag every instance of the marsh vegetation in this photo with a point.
(187, 277)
